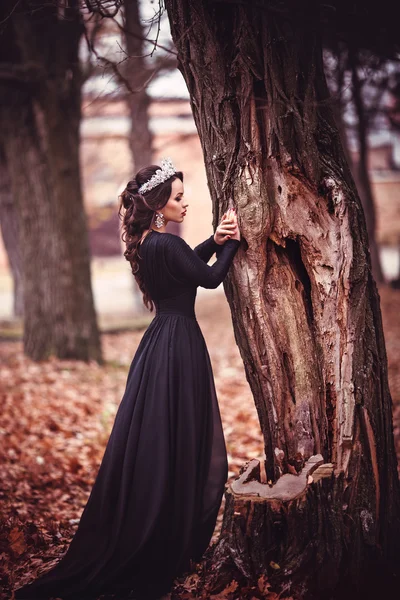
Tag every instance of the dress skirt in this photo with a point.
(155, 501)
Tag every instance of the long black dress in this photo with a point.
(156, 497)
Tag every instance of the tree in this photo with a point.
(360, 171)
(141, 139)
(135, 70)
(358, 81)
(40, 113)
(140, 64)
(10, 235)
(305, 307)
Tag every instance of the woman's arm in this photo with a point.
(226, 227)
(206, 249)
(187, 267)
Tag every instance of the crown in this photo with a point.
(161, 175)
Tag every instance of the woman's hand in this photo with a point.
(228, 228)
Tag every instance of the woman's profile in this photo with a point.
(154, 504)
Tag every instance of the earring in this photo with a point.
(159, 220)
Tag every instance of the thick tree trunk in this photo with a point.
(305, 306)
(10, 234)
(40, 116)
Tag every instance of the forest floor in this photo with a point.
(57, 416)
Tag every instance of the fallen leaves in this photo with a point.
(56, 420)
(16, 541)
(229, 589)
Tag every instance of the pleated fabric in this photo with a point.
(156, 497)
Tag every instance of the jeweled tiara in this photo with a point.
(161, 175)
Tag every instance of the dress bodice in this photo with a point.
(172, 270)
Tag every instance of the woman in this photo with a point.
(154, 504)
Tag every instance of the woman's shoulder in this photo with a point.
(171, 239)
(161, 237)
(172, 246)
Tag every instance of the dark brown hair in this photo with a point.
(139, 214)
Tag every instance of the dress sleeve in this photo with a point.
(187, 267)
(206, 249)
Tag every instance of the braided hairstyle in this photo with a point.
(137, 213)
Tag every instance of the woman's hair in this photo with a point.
(139, 215)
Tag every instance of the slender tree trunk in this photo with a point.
(40, 116)
(141, 139)
(138, 102)
(305, 306)
(361, 171)
(338, 103)
(10, 234)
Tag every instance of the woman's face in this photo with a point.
(175, 209)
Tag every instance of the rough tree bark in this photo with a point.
(305, 307)
(9, 231)
(40, 115)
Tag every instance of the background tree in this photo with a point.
(134, 63)
(359, 83)
(141, 139)
(140, 68)
(40, 112)
(361, 169)
(304, 303)
(10, 235)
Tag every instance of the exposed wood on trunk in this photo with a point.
(305, 307)
(262, 537)
(286, 488)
